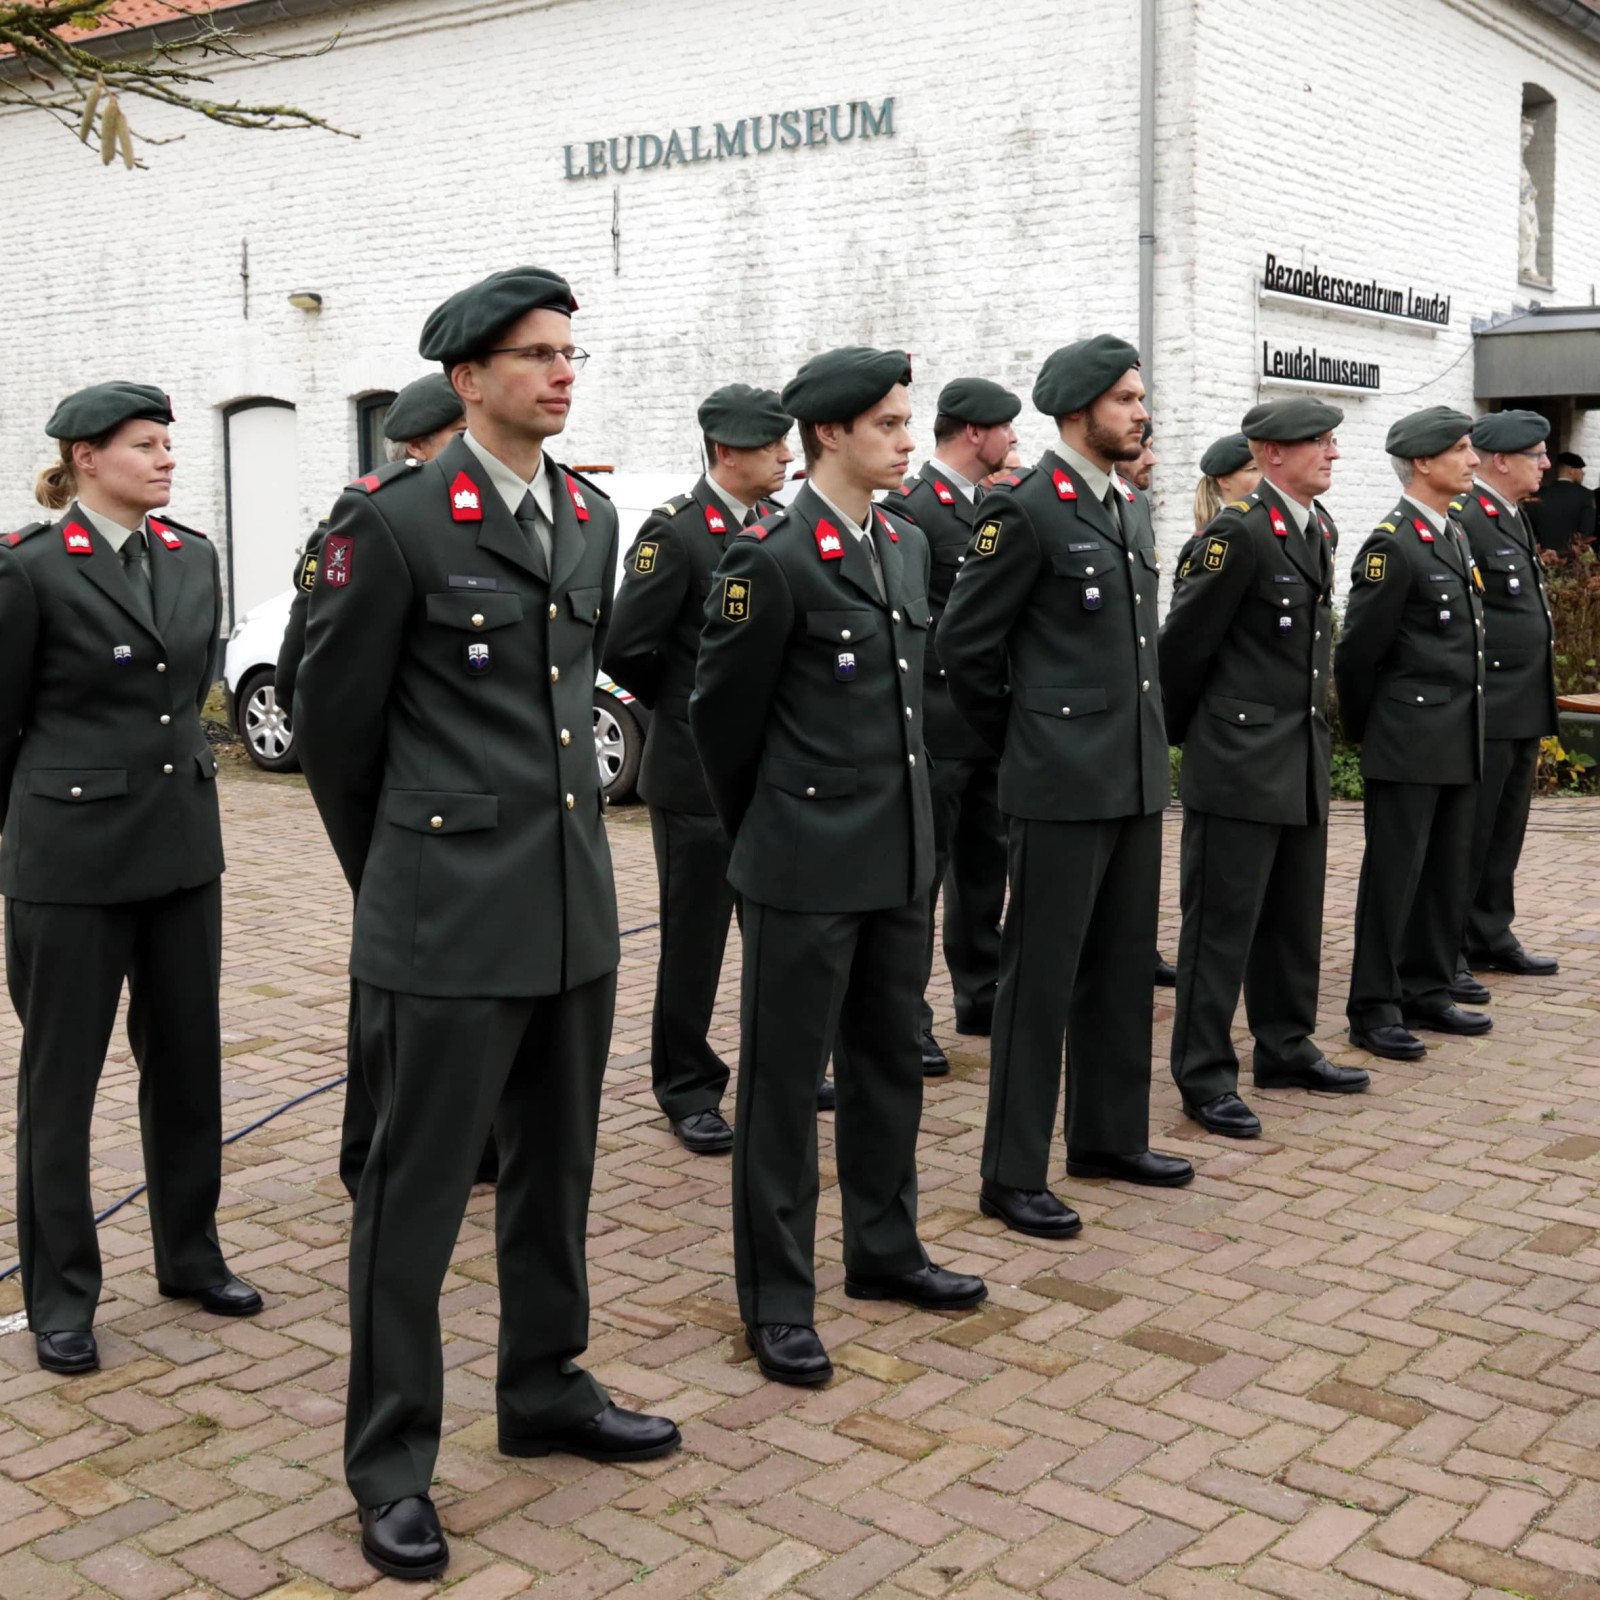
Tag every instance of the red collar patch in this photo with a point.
(76, 538)
(888, 528)
(578, 504)
(1125, 490)
(165, 534)
(1322, 522)
(1064, 485)
(1424, 532)
(1490, 509)
(944, 493)
(715, 520)
(1279, 526)
(830, 544)
(466, 504)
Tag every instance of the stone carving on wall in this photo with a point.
(1528, 212)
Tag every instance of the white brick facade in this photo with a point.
(1374, 138)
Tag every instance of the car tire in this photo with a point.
(263, 725)
(618, 747)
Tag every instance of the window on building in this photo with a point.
(1536, 201)
(371, 410)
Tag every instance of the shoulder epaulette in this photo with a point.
(1011, 480)
(1386, 527)
(588, 483)
(371, 482)
(1458, 505)
(24, 533)
(182, 527)
(670, 508)
(759, 530)
(1238, 505)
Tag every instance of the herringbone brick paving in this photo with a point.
(1359, 1357)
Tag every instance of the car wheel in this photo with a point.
(263, 724)
(618, 747)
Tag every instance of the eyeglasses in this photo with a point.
(544, 355)
(1538, 453)
(1325, 442)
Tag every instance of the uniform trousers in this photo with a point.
(441, 1071)
(65, 966)
(696, 902)
(1077, 950)
(808, 976)
(1499, 824)
(1252, 918)
(1412, 900)
(969, 863)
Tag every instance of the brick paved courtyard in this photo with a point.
(1358, 1357)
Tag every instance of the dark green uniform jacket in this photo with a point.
(292, 649)
(107, 786)
(655, 635)
(1410, 660)
(1245, 656)
(945, 516)
(1519, 634)
(1049, 640)
(807, 712)
(444, 715)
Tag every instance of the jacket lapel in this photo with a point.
(712, 510)
(169, 571)
(855, 566)
(1081, 501)
(1306, 560)
(961, 508)
(498, 531)
(1510, 520)
(889, 558)
(102, 566)
(572, 532)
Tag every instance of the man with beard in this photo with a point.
(1050, 643)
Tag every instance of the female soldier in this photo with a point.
(110, 857)
(1228, 472)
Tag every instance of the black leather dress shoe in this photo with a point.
(704, 1133)
(975, 1024)
(1518, 961)
(935, 1064)
(403, 1538)
(929, 1288)
(827, 1095)
(1321, 1075)
(1228, 1115)
(612, 1434)
(1166, 974)
(786, 1352)
(71, 1350)
(1466, 989)
(1391, 1041)
(233, 1297)
(1148, 1167)
(1033, 1211)
(1451, 1019)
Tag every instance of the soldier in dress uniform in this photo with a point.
(111, 858)
(1050, 643)
(1519, 687)
(1410, 673)
(973, 435)
(421, 420)
(807, 713)
(1245, 654)
(651, 651)
(443, 715)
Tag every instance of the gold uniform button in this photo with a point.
(168, 769)
(77, 793)
(552, 613)
(566, 738)
(165, 720)
(570, 802)
(435, 822)
(477, 619)
(555, 674)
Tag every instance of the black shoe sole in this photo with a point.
(990, 1209)
(1493, 964)
(395, 1569)
(1481, 998)
(1087, 1169)
(525, 1448)
(1232, 1131)
(243, 1310)
(1314, 1088)
(70, 1369)
(720, 1148)
(1388, 1055)
(867, 1291)
(796, 1380)
(940, 1071)
(1432, 1025)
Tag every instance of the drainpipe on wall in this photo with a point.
(1147, 193)
(1579, 15)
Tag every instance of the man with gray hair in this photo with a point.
(1410, 673)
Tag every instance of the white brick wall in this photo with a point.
(999, 221)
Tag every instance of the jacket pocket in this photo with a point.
(1083, 563)
(474, 612)
(585, 604)
(837, 625)
(1241, 713)
(207, 763)
(917, 611)
(1420, 694)
(1050, 701)
(808, 780)
(76, 785)
(441, 810)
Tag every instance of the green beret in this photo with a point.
(469, 322)
(839, 385)
(1227, 455)
(1290, 421)
(976, 400)
(743, 418)
(1429, 432)
(104, 406)
(423, 408)
(1078, 374)
(1509, 431)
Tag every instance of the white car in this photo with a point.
(620, 722)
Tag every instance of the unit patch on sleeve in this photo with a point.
(987, 539)
(644, 558)
(308, 572)
(1216, 554)
(735, 599)
(1377, 565)
(338, 553)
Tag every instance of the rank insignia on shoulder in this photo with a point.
(987, 539)
(466, 505)
(1458, 505)
(1185, 569)
(644, 558)
(1238, 505)
(1388, 527)
(338, 558)
(1216, 554)
(735, 599)
(1377, 564)
(307, 581)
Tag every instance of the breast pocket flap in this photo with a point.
(77, 785)
(836, 626)
(1048, 700)
(809, 780)
(441, 810)
(1241, 713)
(474, 612)
(585, 604)
(1420, 694)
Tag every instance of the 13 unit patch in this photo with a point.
(987, 539)
(307, 581)
(644, 558)
(1377, 564)
(1216, 554)
(735, 599)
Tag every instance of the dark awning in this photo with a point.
(1549, 351)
